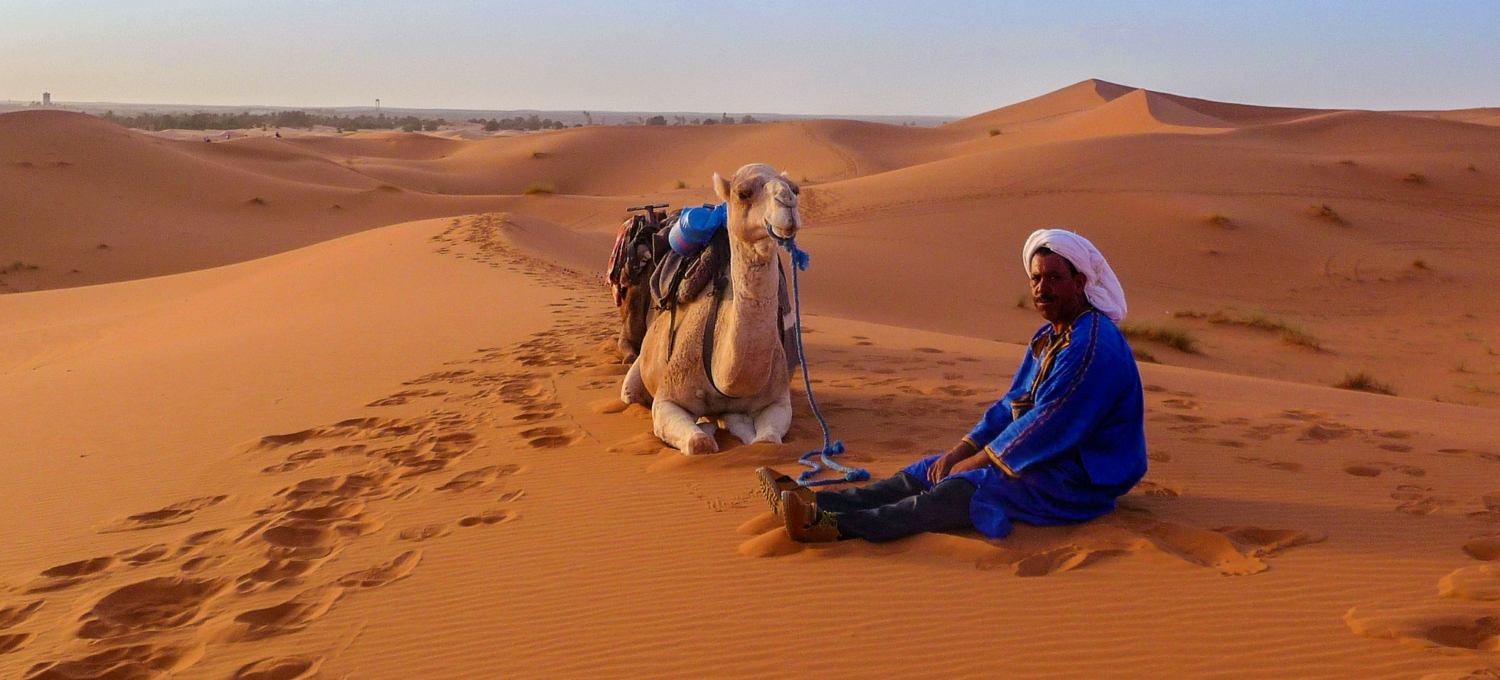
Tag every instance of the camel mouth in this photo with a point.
(782, 232)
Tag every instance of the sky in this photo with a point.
(872, 57)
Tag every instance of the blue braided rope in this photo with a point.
(800, 260)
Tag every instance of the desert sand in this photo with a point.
(345, 405)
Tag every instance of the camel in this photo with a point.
(749, 392)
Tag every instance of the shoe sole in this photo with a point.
(770, 489)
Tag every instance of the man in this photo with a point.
(1059, 447)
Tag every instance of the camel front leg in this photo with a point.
(679, 429)
(773, 421)
(740, 425)
(633, 388)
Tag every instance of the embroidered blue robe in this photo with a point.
(1067, 439)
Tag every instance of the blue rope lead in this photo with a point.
(800, 261)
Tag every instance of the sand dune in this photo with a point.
(460, 492)
(294, 433)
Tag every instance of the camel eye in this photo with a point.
(745, 194)
(796, 191)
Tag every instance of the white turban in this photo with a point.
(1102, 289)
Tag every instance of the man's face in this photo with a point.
(1056, 291)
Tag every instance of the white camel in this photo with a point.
(749, 392)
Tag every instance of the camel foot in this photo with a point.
(700, 444)
(767, 439)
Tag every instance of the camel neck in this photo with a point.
(744, 350)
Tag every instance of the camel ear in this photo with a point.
(786, 176)
(721, 187)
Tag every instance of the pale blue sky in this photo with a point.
(874, 57)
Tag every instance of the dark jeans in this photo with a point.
(898, 507)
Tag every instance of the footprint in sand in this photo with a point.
(1181, 403)
(1281, 465)
(288, 617)
(15, 615)
(130, 662)
(65, 576)
(425, 532)
(13, 641)
(1445, 626)
(1152, 489)
(1486, 548)
(279, 668)
(1418, 500)
(1373, 469)
(382, 574)
(1480, 583)
(156, 604)
(1325, 432)
(176, 513)
(548, 437)
(488, 517)
(405, 397)
(484, 476)
(1491, 511)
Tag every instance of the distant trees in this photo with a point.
(656, 120)
(285, 119)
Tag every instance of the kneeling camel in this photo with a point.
(747, 386)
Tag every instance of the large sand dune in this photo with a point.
(283, 439)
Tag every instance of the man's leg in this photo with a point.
(945, 506)
(884, 492)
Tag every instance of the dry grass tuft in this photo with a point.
(1346, 161)
(540, 188)
(1419, 264)
(995, 132)
(1473, 168)
(1176, 337)
(1326, 213)
(1364, 382)
(256, 201)
(1290, 334)
(1415, 178)
(540, 154)
(1220, 220)
(1023, 301)
(681, 184)
(18, 266)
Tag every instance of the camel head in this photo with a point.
(759, 196)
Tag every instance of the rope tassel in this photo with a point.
(800, 260)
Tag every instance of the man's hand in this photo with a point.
(971, 464)
(946, 465)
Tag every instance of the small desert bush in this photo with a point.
(1419, 264)
(18, 266)
(1180, 339)
(540, 154)
(1473, 168)
(256, 201)
(1364, 382)
(1023, 301)
(1300, 338)
(1346, 161)
(995, 132)
(1290, 334)
(1220, 220)
(1415, 178)
(540, 188)
(681, 184)
(1327, 213)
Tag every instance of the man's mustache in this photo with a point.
(1044, 298)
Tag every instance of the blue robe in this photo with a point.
(1067, 439)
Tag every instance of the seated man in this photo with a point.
(1059, 447)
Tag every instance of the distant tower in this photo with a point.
(377, 106)
(46, 99)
